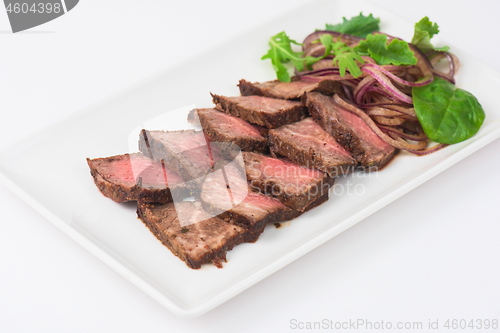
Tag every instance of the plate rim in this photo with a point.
(194, 311)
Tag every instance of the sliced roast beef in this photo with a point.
(350, 131)
(134, 177)
(295, 186)
(188, 152)
(197, 243)
(263, 111)
(289, 90)
(223, 127)
(255, 211)
(228, 196)
(309, 145)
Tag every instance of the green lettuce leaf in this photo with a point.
(424, 31)
(396, 53)
(426, 25)
(281, 52)
(345, 56)
(360, 26)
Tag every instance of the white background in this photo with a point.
(432, 254)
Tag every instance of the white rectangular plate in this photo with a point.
(48, 169)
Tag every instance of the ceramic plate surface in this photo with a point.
(48, 169)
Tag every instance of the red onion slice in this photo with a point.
(401, 144)
(421, 83)
(429, 150)
(387, 84)
(419, 137)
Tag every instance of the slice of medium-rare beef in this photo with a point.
(289, 90)
(195, 120)
(229, 196)
(223, 127)
(350, 131)
(197, 243)
(234, 201)
(255, 211)
(134, 177)
(306, 143)
(188, 152)
(294, 185)
(263, 111)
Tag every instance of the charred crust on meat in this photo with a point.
(210, 120)
(366, 151)
(257, 110)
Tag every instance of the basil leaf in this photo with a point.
(360, 26)
(447, 114)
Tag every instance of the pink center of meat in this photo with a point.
(283, 170)
(364, 131)
(265, 104)
(312, 135)
(129, 170)
(262, 201)
(230, 124)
